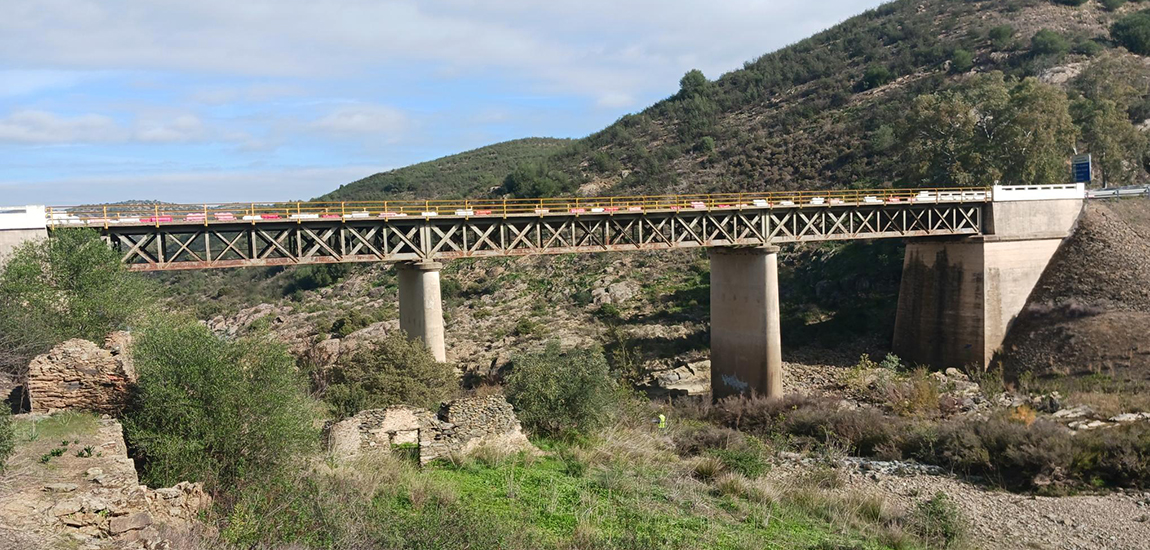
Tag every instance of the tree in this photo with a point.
(1133, 32)
(1123, 79)
(693, 83)
(220, 411)
(534, 180)
(989, 130)
(1111, 88)
(1000, 36)
(68, 286)
(558, 392)
(1048, 42)
(1114, 143)
(392, 371)
(961, 61)
(875, 76)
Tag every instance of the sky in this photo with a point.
(237, 100)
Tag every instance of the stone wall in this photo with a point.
(459, 427)
(78, 374)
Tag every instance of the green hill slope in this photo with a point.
(833, 110)
(471, 173)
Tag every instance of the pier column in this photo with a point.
(421, 306)
(746, 346)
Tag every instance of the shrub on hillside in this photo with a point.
(1133, 32)
(938, 521)
(1013, 451)
(1048, 42)
(7, 435)
(1112, 5)
(213, 410)
(1000, 36)
(69, 286)
(557, 391)
(391, 371)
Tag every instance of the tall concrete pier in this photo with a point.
(421, 306)
(746, 347)
(960, 296)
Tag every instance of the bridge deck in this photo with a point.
(163, 237)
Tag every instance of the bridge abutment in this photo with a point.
(959, 297)
(746, 345)
(421, 305)
(19, 224)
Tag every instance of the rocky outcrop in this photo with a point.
(459, 427)
(80, 375)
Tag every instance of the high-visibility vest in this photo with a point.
(662, 421)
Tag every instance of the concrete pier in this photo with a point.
(746, 346)
(421, 306)
(960, 296)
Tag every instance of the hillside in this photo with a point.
(469, 173)
(831, 110)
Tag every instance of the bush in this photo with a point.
(391, 371)
(1112, 5)
(1133, 32)
(1070, 2)
(311, 277)
(1048, 42)
(1000, 36)
(559, 392)
(961, 61)
(69, 286)
(938, 521)
(217, 411)
(875, 76)
(7, 436)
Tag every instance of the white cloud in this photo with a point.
(185, 127)
(602, 49)
(31, 126)
(295, 183)
(364, 120)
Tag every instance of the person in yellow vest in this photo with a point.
(662, 421)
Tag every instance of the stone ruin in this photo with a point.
(459, 427)
(99, 499)
(80, 375)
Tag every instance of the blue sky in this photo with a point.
(222, 100)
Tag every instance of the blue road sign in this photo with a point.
(1080, 167)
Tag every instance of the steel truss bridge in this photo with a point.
(167, 237)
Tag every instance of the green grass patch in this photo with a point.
(61, 425)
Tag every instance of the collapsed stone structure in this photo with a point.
(459, 427)
(96, 498)
(78, 374)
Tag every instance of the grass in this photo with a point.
(624, 488)
(62, 425)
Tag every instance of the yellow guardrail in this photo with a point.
(254, 212)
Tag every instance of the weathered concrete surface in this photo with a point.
(746, 346)
(10, 239)
(959, 298)
(1032, 219)
(421, 305)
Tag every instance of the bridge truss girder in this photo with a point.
(266, 243)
